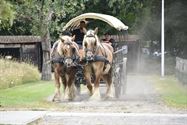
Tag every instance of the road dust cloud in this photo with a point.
(149, 32)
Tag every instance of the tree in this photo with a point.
(176, 28)
(49, 9)
(125, 10)
(7, 14)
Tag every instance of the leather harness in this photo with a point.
(75, 58)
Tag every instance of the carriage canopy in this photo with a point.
(112, 21)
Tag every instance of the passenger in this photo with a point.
(79, 34)
(108, 39)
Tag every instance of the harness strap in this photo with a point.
(101, 58)
(57, 60)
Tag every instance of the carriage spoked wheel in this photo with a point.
(120, 77)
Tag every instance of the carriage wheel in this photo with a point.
(120, 79)
(123, 78)
(116, 79)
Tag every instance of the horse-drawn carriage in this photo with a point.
(95, 62)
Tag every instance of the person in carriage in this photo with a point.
(107, 39)
(79, 34)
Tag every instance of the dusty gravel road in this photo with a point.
(140, 97)
(141, 105)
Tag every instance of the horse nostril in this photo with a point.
(68, 65)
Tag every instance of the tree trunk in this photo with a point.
(46, 66)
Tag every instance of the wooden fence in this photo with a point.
(181, 70)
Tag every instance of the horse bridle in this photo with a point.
(74, 58)
(92, 50)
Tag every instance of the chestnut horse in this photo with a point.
(99, 58)
(65, 51)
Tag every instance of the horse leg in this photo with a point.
(96, 95)
(57, 85)
(71, 88)
(87, 75)
(66, 88)
(110, 86)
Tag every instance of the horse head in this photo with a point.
(90, 43)
(67, 49)
(70, 55)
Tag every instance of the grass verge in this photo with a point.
(172, 92)
(32, 96)
(14, 73)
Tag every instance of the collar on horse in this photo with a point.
(62, 59)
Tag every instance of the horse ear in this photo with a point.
(73, 38)
(62, 40)
(96, 31)
(84, 30)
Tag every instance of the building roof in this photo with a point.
(19, 39)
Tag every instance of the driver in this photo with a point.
(79, 34)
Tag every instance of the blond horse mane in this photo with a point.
(61, 42)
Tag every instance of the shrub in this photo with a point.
(14, 73)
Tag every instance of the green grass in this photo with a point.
(172, 92)
(14, 73)
(32, 95)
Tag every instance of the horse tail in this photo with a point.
(108, 50)
(106, 68)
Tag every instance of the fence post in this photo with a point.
(181, 70)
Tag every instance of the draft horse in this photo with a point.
(98, 57)
(65, 56)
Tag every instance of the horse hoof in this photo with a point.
(56, 100)
(95, 98)
(109, 98)
(90, 93)
(69, 98)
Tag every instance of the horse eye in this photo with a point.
(85, 44)
(65, 51)
(73, 50)
(95, 43)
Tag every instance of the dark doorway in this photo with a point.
(14, 53)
